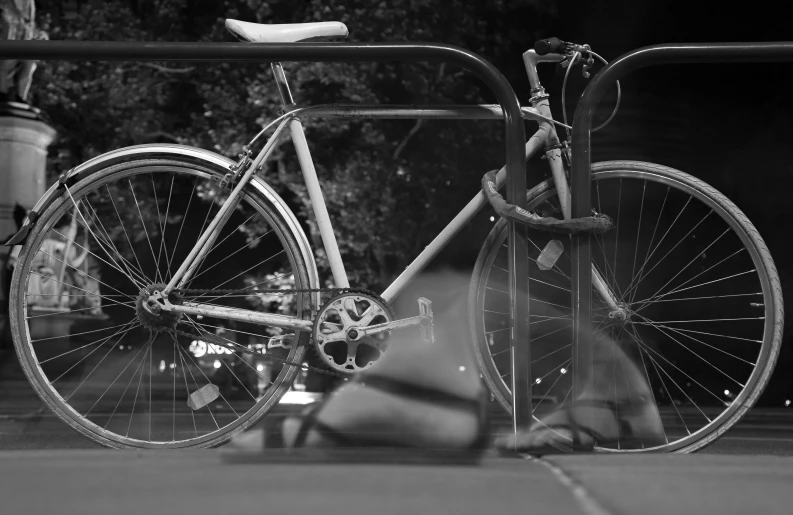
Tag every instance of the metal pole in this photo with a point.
(319, 52)
(581, 159)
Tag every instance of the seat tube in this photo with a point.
(312, 183)
(318, 203)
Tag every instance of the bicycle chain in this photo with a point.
(225, 343)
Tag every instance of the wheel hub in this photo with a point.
(150, 312)
(621, 315)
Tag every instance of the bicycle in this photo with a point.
(268, 313)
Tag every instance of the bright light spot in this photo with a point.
(492, 218)
(538, 381)
(121, 347)
(172, 365)
(198, 348)
(260, 367)
(564, 371)
(217, 363)
(462, 369)
(727, 392)
(787, 402)
(162, 365)
(293, 397)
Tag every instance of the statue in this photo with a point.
(18, 22)
(64, 277)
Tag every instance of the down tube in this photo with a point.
(463, 217)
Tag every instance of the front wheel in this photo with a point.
(126, 379)
(698, 285)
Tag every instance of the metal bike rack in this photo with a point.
(581, 273)
(324, 52)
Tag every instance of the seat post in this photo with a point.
(283, 86)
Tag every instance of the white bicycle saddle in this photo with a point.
(286, 32)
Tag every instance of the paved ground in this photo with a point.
(47, 468)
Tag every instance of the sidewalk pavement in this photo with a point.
(197, 482)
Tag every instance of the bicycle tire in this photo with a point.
(273, 231)
(679, 183)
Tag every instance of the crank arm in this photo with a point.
(424, 320)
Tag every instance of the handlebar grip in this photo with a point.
(549, 46)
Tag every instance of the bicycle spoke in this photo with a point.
(114, 382)
(140, 380)
(157, 276)
(134, 373)
(646, 347)
(87, 227)
(80, 289)
(681, 333)
(100, 361)
(650, 254)
(72, 335)
(714, 367)
(551, 353)
(691, 263)
(109, 243)
(663, 384)
(55, 313)
(678, 287)
(217, 286)
(227, 257)
(545, 395)
(184, 217)
(673, 248)
(189, 359)
(201, 232)
(43, 361)
(184, 374)
(124, 229)
(80, 272)
(639, 229)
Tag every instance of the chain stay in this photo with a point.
(228, 344)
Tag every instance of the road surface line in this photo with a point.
(589, 505)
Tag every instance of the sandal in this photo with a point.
(625, 436)
(351, 447)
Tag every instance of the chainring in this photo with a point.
(343, 312)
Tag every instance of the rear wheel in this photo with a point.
(76, 312)
(697, 281)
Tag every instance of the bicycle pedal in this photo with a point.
(203, 396)
(425, 311)
(283, 342)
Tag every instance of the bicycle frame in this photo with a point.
(545, 136)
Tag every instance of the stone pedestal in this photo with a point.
(24, 138)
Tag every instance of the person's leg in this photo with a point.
(616, 404)
(365, 413)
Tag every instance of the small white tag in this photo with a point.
(550, 254)
(203, 396)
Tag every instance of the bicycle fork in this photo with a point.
(554, 157)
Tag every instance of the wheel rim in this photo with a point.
(110, 377)
(702, 368)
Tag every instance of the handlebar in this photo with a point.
(557, 46)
